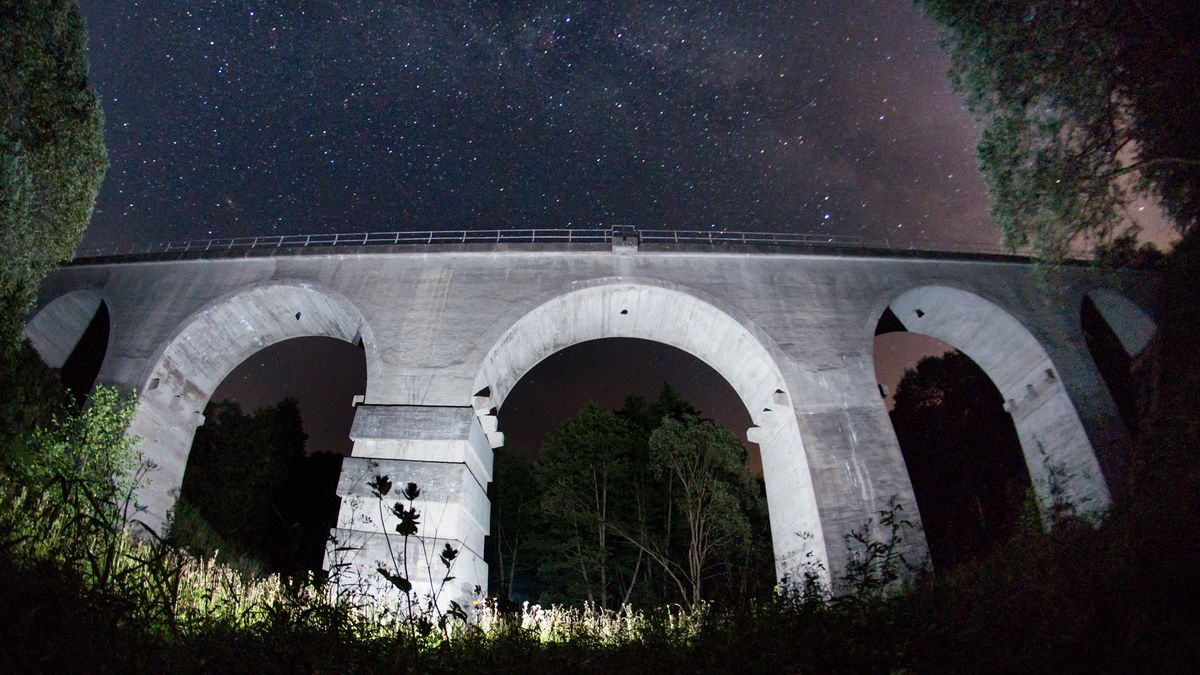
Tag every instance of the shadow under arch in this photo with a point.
(1117, 333)
(640, 309)
(205, 348)
(1056, 448)
(56, 327)
(72, 334)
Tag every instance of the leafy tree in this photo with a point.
(515, 510)
(52, 155)
(703, 467)
(250, 490)
(963, 456)
(88, 452)
(1085, 105)
(33, 394)
(649, 494)
(648, 415)
(584, 473)
(612, 522)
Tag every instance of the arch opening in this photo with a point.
(1118, 333)
(1058, 455)
(82, 367)
(203, 352)
(262, 471)
(730, 347)
(639, 381)
(959, 445)
(71, 335)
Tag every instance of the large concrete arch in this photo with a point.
(1052, 435)
(56, 328)
(204, 349)
(653, 311)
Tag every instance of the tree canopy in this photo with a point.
(250, 490)
(645, 505)
(52, 155)
(1085, 106)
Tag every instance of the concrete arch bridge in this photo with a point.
(449, 327)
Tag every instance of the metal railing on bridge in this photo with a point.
(715, 238)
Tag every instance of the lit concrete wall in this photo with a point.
(56, 329)
(1129, 323)
(792, 334)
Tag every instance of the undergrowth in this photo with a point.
(84, 588)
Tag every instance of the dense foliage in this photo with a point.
(643, 506)
(1085, 105)
(252, 493)
(52, 156)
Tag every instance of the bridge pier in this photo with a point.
(444, 450)
(858, 471)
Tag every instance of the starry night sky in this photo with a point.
(228, 118)
(233, 119)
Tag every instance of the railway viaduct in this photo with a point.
(449, 326)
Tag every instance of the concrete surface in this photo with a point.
(448, 334)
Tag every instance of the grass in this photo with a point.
(1120, 597)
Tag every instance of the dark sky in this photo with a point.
(234, 119)
(227, 118)
(605, 372)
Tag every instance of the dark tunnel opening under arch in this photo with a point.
(288, 500)
(605, 371)
(79, 372)
(960, 446)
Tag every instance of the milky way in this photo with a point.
(233, 119)
(230, 118)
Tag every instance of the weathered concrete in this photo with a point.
(448, 334)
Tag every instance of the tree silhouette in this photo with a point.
(963, 456)
(1085, 105)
